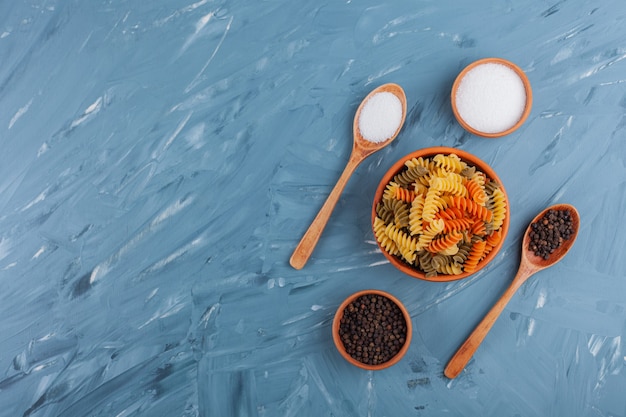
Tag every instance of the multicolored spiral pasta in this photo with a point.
(440, 215)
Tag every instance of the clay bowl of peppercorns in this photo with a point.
(372, 329)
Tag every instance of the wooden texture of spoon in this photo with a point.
(529, 265)
(361, 149)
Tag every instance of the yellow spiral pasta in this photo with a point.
(420, 188)
(450, 269)
(418, 162)
(499, 208)
(402, 239)
(390, 191)
(432, 203)
(385, 241)
(428, 234)
(450, 251)
(415, 215)
(407, 245)
(448, 185)
(449, 162)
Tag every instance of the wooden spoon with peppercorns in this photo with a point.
(542, 254)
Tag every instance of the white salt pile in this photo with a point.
(380, 117)
(491, 98)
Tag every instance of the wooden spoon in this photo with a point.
(361, 149)
(530, 264)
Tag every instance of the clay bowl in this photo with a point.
(340, 346)
(429, 153)
(498, 96)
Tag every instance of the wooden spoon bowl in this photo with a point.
(537, 263)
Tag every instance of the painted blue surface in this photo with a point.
(161, 160)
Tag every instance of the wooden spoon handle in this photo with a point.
(308, 242)
(468, 348)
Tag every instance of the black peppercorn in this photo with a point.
(548, 233)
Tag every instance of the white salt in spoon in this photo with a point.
(362, 147)
(530, 264)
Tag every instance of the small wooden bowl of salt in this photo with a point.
(491, 97)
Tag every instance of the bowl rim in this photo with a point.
(431, 151)
(527, 88)
(339, 344)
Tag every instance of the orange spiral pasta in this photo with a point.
(451, 213)
(476, 191)
(478, 228)
(457, 225)
(491, 241)
(444, 242)
(475, 255)
(405, 194)
(471, 207)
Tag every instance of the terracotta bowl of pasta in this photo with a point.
(440, 214)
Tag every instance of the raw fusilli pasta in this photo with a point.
(441, 215)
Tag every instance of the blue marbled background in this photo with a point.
(160, 160)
